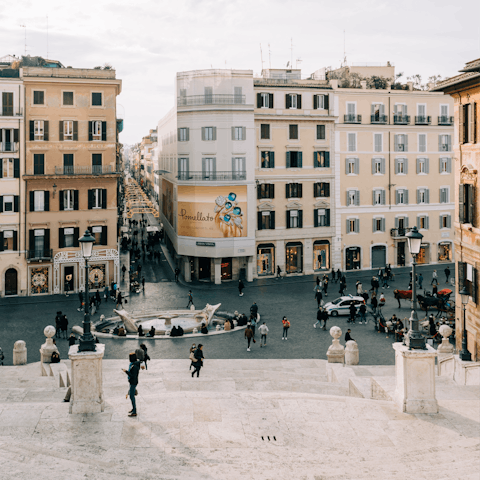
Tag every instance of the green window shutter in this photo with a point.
(32, 201)
(104, 236)
(31, 240)
(299, 101)
(16, 203)
(104, 198)
(315, 102)
(45, 131)
(300, 161)
(272, 220)
(75, 199)
(259, 100)
(76, 234)
(272, 159)
(90, 131)
(104, 131)
(15, 240)
(326, 102)
(270, 100)
(259, 220)
(288, 219)
(287, 101)
(46, 239)
(47, 201)
(90, 199)
(287, 190)
(75, 131)
(61, 200)
(327, 159)
(16, 168)
(300, 218)
(327, 217)
(61, 238)
(32, 130)
(288, 160)
(60, 130)
(315, 217)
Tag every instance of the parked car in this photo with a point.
(341, 305)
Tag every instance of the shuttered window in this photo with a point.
(239, 133)
(321, 132)
(401, 142)
(266, 190)
(321, 159)
(268, 159)
(422, 142)
(353, 225)
(422, 222)
(321, 217)
(378, 197)
(293, 190)
(445, 221)
(378, 224)
(321, 189)
(423, 195)
(183, 134)
(444, 195)
(445, 165)
(265, 131)
(423, 166)
(353, 197)
(352, 166)
(401, 196)
(378, 166)
(352, 142)
(293, 132)
(378, 142)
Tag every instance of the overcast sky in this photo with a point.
(147, 42)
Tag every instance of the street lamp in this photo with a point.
(464, 354)
(86, 342)
(414, 338)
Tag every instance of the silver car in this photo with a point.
(341, 305)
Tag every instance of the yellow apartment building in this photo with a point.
(465, 92)
(393, 150)
(71, 171)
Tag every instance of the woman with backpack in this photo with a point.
(286, 326)
(198, 363)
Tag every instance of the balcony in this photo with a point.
(352, 118)
(211, 177)
(87, 170)
(217, 99)
(445, 120)
(401, 119)
(399, 232)
(39, 255)
(8, 147)
(378, 119)
(423, 120)
(11, 112)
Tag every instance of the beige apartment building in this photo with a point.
(465, 92)
(393, 149)
(72, 159)
(294, 173)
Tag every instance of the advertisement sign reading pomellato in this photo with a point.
(216, 212)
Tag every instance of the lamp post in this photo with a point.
(414, 338)
(86, 341)
(464, 354)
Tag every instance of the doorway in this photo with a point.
(294, 257)
(226, 268)
(68, 277)
(11, 287)
(400, 254)
(204, 268)
(352, 258)
(379, 256)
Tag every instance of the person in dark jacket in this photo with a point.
(363, 314)
(254, 309)
(98, 299)
(71, 339)
(374, 302)
(141, 333)
(348, 337)
(58, 328)
(146, 357)
(318, 297)
(241, 286)
(353, 312)
(80, 299)
(132, 372)
(204, 329)
(198, 363)
(64, 325)
(248, 335)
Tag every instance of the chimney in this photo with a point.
(410, 85)
(363, 83)
(334, 83)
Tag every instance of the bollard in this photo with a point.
(352, 356)
(20, 353)
(336, 352)
(47, 349)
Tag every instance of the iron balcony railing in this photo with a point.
(423, 120)
(399, 232)
(8, 146)
(214, 99)
(445, 120)
(401, 119)
(86, 170)
(11, 112)
(40, 254)
(211, 176)
(378, 119)
(352, 118)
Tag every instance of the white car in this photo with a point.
(341, 305)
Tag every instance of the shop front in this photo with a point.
(265, 259)
(321, 255)
(352, 258)
(294, 257)
(424, 256)
(227, 268)
(445, 252)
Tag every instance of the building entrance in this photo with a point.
(68, 276)
(294, 257)
(11, 282)
(265, 259)
(204, 268)
(400, 254)
(379, 256)
(226, 268)
(352, 258)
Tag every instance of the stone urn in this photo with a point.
(336, 352)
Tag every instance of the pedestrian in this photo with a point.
(385, 279)
(58, 328)
(319, 316)
(146, 356)
(140, 354)
(374, 302)
(64, 325)
(98, 300)
(325, 285)
(434, 290)
(132, 372)
(198, 364)
(124, 269)
(254, 309)
(376, 285)
(381, 302)
(447, 274)
(241, 286)
(434, 277)
(192, 355)
(139, 269)
(190, 300)
(342, 288)
(119, 299)
(286, 326)
(253, 323)
(420, 281)
(339, 275)
(263, 329)
(348, 336)
(359, 287)
(177, 271)
(71, 339)
(2, 356)
(248, 335)
(363, 314)
(353, 313)
(80, 298)
(279, 272)
(143, 284)
(319, 298)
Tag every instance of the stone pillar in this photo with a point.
(187, 271)
(308, 256)
(20, 353)
(196, 267)
(250, 268)
(87, 380)
(336, 352)
(352, 355)
(280, 256)
(47, 349)
(415, 379)
(445, 349)
(218, 270)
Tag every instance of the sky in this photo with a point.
(147, 42)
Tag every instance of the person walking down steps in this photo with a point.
(263, 329)
(190, 299)
(198, 363)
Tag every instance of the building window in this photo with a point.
(467, 203)
(352, 142)
(468, 278)
(97, 99)
(401, 166)
(293, 132)
(96, 163)
(445, 252)
(266, 190)
(444, 143)
(38, 164)
(445, 165)
(264, 100)
(39, 129)
(8, 240)
(422, 222)
(266, 221)
(320, 102)
(293, 190)
(7, 104)
(68, 98)
(96, 130)
(321, 255)
(183, 134)
(401, 143)
(68, 130)
(351, 112)
(39, 201)
(266, 259)
(467, 123)
(321, 217)
(183, 168)
(321, 132)
(321, 159)
(352, 166)
(7, 203)
(294, 257)
(378, 166)
(321, 189)
(209, 133)
(7, 167)
(239, 133)
(97, 198)
(294, 218)
(353, 225)
(238, 168)
(401, 197)
(100, 234)
(294, 160)
(423, 196)
(68, 237)
(401, 223)
(378, 113)
(38, 97)
(422, 142)
(378, 142)
(378, 224)
(379, 197)
(209, 168)
(445, 221)
(265, 131)
(422, 166)
(353, 198)
(268, 159)
(444, 195)
(69, 200)
(293, 100)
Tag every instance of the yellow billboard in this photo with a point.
(212, 212)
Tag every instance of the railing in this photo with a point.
(8, 147)
(378, 119)
(445, 120)
(352, 118)
(86, 170)
(423, 120)
(401, 119)
(399, 232)
(10, 112)
(217, 99)
(40, 254)
(211, 177)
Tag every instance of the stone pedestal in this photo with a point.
(47, 349)
(445, 349)
(352, 355)
(20, 353)
(466, 373)
(87, 378)
(415, 379)
(336, 352)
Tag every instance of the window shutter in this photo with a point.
(244, 133)
(16, 203)
(374, 224)
(405, 165)
(396, 166)
(395, 141)
(60, 131)
(405, 221)
(406, 197)
(427, 165)
(449, 165)
(327, 217)
(327, 159)
(288, 219)
(299, 101)
(472, 206)
(104, 198)
(348, 226)
(75, 131)
(15, 240)
(471, 123)
(373, 166)
(90, 199)
(259, 100)
(46, 240)
(45, 130)
(405, 144)
(373, 197)
(75, 199)
(61, 238)
(315, 217)
(475, 286)
(233, 133)
(287, 101)
(315, 102)
(461, 203)
(32, 130)
(346, 165)
(357, 225)
(357, 166)
(272, 220)
(76, 234)
(315, 159)
(440, 163)
(104, 236)
(31, 239)
(32, 201)
(347, 201)
(259, 220)
(357, 197)
(300, 190)
(288, 160)
(382, 166)
(1, 162)
(16, 168)
(383, 224)
(418, 222)
(47, 201)
(449, 221)
(427, 222)
(270, 100)
(418, 166)
(383, 197)
(1, 204)
(325, 102)
(61, 200)
(299, 158)
(90, 131)
(327, 190)
(15, 135)
(104, 131)
(287, 190)
(214, 133)
(178, 134)
(300, 218)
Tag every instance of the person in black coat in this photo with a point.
(198, 363)
(132, 372)
(348, 337)
(353, 312)
(241, 286)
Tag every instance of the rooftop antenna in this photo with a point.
(47, 38)
(269, 57)
(344, 51)
(261, 56)
(25, 27)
